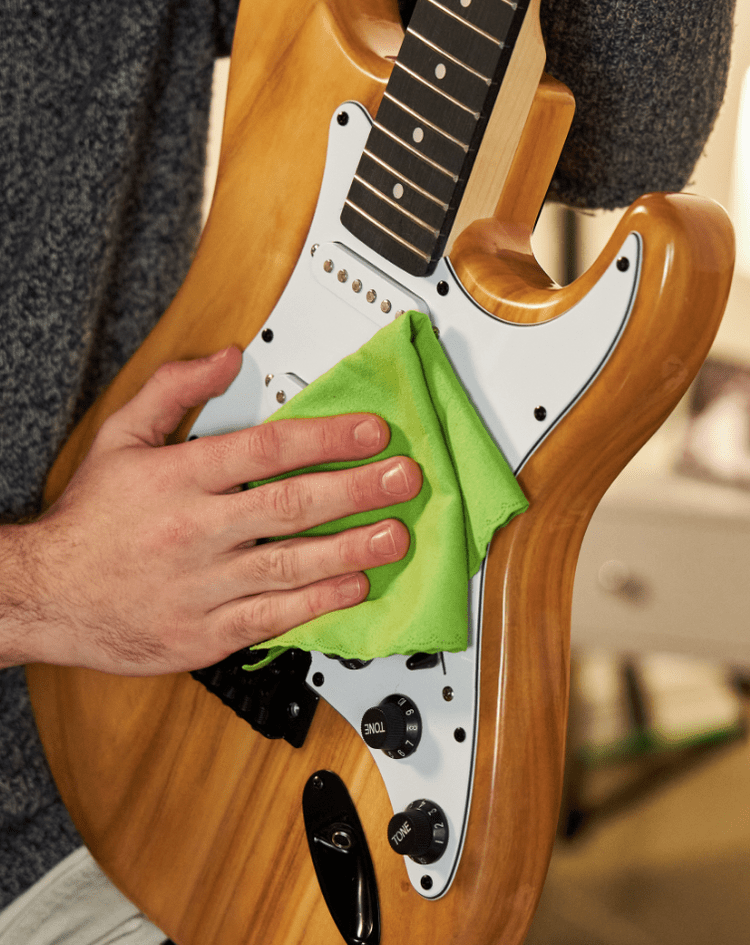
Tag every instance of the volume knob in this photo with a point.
(394, 726)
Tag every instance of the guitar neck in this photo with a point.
(415, 167)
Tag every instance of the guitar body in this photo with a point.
(194, 815)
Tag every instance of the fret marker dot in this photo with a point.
(398, 191)
(465, 3)
(440, 70)
(418, 134)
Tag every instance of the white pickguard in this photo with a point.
(508, 370)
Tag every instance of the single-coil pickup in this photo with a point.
(365, 288)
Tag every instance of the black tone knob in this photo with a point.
(394, 726)
(419, 832)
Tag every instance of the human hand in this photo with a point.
(149, 563)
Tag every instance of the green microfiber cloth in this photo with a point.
(419, 604)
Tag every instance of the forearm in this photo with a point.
(24, 608)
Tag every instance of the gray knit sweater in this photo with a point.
(648, 77)
(103, 116)
(103, 111)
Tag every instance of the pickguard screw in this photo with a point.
(314, 248)
(436, 331)
(269, 378)
(385, 306)
(280, 396)
(318, 679)
(371, 295)
(623, 264)
(399, 312)
(317, 782)
(448, 694)
(342, 118)
(267, 335)
(294, 710)
(357, 285)
(342, 275)
(442, 287)
(426, 882)
(540, 413)
(328, 265)
(460, 735)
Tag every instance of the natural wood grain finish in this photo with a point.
(291, 69)
(496, 153)
(535, 157)
(194, 815)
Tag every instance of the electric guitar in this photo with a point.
(361, 176)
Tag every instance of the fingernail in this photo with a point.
(368, 432)
(382, 543)
(218, 355)
(350, 586)
(395, 481)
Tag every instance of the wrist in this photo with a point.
(26, 617)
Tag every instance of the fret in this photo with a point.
(435, 56)
(429, 126)
(386, 178)
(393, 217)
(420, 119)
(376, 235)
(443, 96)
(493, 18)
(436, 106)
(466, 22)
(410, 149)
(427, 142)
(410, 165)
(394, 202)
(457, 38)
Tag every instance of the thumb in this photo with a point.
(157, 409)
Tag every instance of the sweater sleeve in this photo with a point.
(225, 19)
(648, 76)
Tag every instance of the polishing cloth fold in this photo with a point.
(419, 604)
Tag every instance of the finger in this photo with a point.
(262, 452)
(157, 409)
(285, 565)
(302, 502)
(255, 619)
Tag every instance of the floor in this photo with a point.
(670, 869)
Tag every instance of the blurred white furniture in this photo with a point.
(665, 564)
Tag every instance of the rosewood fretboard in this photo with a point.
(419, 154)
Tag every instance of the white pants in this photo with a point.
(75, 904)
